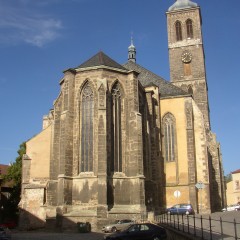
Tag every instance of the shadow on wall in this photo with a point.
(214, 187)
(28, 221)
(59, 223)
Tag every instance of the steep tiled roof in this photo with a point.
(147, 78)
(3, 169)
(237, 171)
(101, 59)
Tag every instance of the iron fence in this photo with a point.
(202, 226)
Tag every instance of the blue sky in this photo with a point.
(41, 38)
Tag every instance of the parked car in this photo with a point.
(118, 225)
(5, 233)
(233, 207)
(183, 208)
(9, 224)
(145, 231)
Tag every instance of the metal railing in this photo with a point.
(203, 227)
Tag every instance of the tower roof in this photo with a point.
(101, 59)
(181, 4)
(131, 46)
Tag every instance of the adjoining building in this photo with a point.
(233, 188)
(121, 141)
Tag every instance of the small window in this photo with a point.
(187, 69)
(178, 27)
(237, 186)
(189, 29)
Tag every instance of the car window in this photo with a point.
(144, 227)
(184, 205)
(176, 206)
(134, 228)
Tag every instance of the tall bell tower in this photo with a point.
(186, 52)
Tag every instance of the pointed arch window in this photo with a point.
(116, 128)
(178, 27)
(189, 26)
(87, 110)
(169, 132)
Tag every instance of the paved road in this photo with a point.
(228, 229)
(36, 235)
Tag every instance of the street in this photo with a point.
(228, 230)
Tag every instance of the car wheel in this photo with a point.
(114, 229)
(156, 238)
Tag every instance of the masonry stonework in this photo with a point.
(120, 140)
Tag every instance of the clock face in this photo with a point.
(186, 57)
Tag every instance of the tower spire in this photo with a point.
(132, 51)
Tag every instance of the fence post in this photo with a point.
(235, 229)
(202, 227)
(183, 224)
(178, 221)
(210, 227)
(221, 227)
(174, 221)
(194, 225)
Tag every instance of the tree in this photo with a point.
(14, 176)
(228, 178)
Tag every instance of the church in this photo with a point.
(122, 142)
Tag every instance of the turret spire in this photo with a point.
(132, 51)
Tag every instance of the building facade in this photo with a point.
(120, 141)
(233, 188)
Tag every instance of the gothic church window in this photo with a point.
(169, 132)
(116, 128)
(178, 27)
(189, 29)
(87, 110)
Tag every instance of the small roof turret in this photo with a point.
(132, 52)
(181, 4)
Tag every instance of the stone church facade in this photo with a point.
(120, 140)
